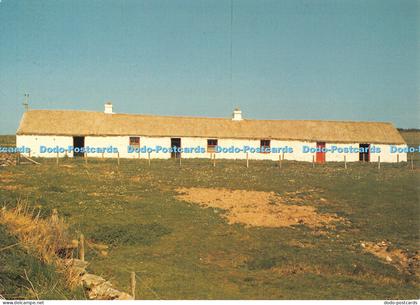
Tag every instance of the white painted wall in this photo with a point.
(121, 143)
(34, 143)
(339, 157)
(387, 156)
(193, 142)
(298, 154)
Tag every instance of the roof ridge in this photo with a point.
(213, 118)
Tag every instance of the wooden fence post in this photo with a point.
(180, 160)
(398, 158)
(379, 162)
(148, 158)
(279, 161)
(118, 158)
(82, 248)
(313, 161)
(54, 216)
(247, 160)
(57, 159)
(214, 159)
(345, 162)
(412, 162)
(133, 284)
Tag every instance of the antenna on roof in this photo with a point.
(26, 102)
(231, 52)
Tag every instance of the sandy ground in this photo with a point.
(253, 208)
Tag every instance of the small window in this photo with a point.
(211, 145)
(135, 141)
(265, 146)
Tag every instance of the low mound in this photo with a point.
(401, 259)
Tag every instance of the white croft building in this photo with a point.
(335, 140)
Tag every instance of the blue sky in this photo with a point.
(333, 60)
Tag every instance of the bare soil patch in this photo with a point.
(254, 208)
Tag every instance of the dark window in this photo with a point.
(78, 145)
(364, 153)
(265, 146)
(176, 145)
(135, 141)
(211, 145)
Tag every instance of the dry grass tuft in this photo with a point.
(10, 187)
(45, 238)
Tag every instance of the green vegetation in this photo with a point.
(136, 234)
(182, 251)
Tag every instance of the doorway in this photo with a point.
(176, 143)
(320, 152)
(78, 145)
(364, 152)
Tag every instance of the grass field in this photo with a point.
(181, 250)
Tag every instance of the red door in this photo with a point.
(320, 152)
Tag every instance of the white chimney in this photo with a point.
(108, 108)
(237, 115)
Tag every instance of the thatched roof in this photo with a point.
(84, 123)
